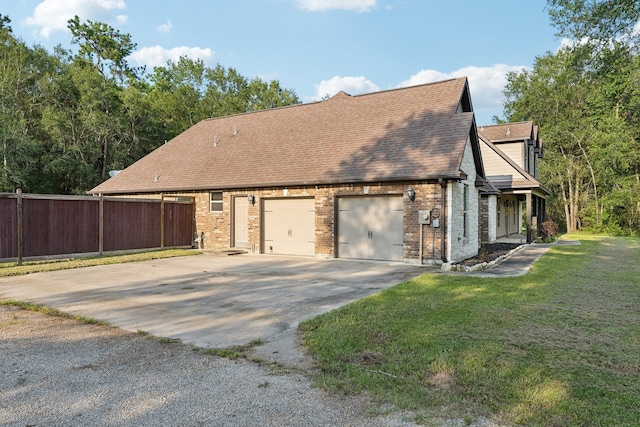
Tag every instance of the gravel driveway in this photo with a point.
(56, 371)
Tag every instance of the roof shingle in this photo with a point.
(399, 134)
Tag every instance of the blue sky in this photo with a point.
(319, 47)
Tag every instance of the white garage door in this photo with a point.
(289, 226)
(370, 228)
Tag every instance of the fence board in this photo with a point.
(52, 227)
(61, 225)
(8, 227)
(178, 224)
(131, 224)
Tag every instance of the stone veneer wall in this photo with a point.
(461, 247)
(488, 216)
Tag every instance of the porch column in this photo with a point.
(529, 231)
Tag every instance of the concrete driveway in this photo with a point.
(209, 300)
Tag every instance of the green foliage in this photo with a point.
(67, 119)
(53, 312)
(586, 99)
(598, 21)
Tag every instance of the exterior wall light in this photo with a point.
(251, 198)
(411, 194)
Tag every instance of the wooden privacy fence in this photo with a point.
(45, 225)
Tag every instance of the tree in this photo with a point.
(596, 21)
(103, 46)
(21, 70)
(66, 119)
(585, 98)
(187, 91)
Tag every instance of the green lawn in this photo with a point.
(13, 269)
(557, 347)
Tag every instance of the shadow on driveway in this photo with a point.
(208, 300)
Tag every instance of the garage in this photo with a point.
(370, 228)
(289, 226)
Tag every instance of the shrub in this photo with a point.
(548, 231)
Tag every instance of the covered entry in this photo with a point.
(370, 228)
(289, 226)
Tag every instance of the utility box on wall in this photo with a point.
(424, 217)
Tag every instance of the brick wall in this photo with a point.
(216, 226)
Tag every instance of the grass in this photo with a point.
(233, 352)
(53, 312)
(12, 269)
(559, 346)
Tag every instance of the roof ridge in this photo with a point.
(393, 89)
(344, 95)
(507, 124)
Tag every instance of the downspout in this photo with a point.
(443, 185)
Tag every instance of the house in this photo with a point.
(510, 153)
(394, 175)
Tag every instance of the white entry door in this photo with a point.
(370, 228)
(240, 222)
(289, 226)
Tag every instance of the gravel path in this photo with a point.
(61, 372)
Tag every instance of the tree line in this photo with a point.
(69, 117)
(586, 99)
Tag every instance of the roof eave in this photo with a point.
(455, 176)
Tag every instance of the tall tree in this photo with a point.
(596, 21)
(106, 49)
(585, 97)
(187, 91)
(21, 70)
(67, 118)
(554, 95)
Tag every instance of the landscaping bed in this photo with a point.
(489, 252)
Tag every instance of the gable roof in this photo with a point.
(518, 179)
(400, 134)
(511, 132)
(508, 132)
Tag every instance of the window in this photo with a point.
(465, 207)
(498, 204)
(215, 201)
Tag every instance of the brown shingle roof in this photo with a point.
(508, 132)
(400, 134)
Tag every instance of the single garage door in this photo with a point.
(370, 228)
(289, 226)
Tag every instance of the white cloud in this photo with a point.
(52, 15)
(351, 85)
(165, 28)
(154, 56)
(359, 6)
(486, 84)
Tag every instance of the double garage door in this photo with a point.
(370, 228)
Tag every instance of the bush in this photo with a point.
(548, 231)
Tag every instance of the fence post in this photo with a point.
(101, 225)
(19, 207)
(162, 220)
